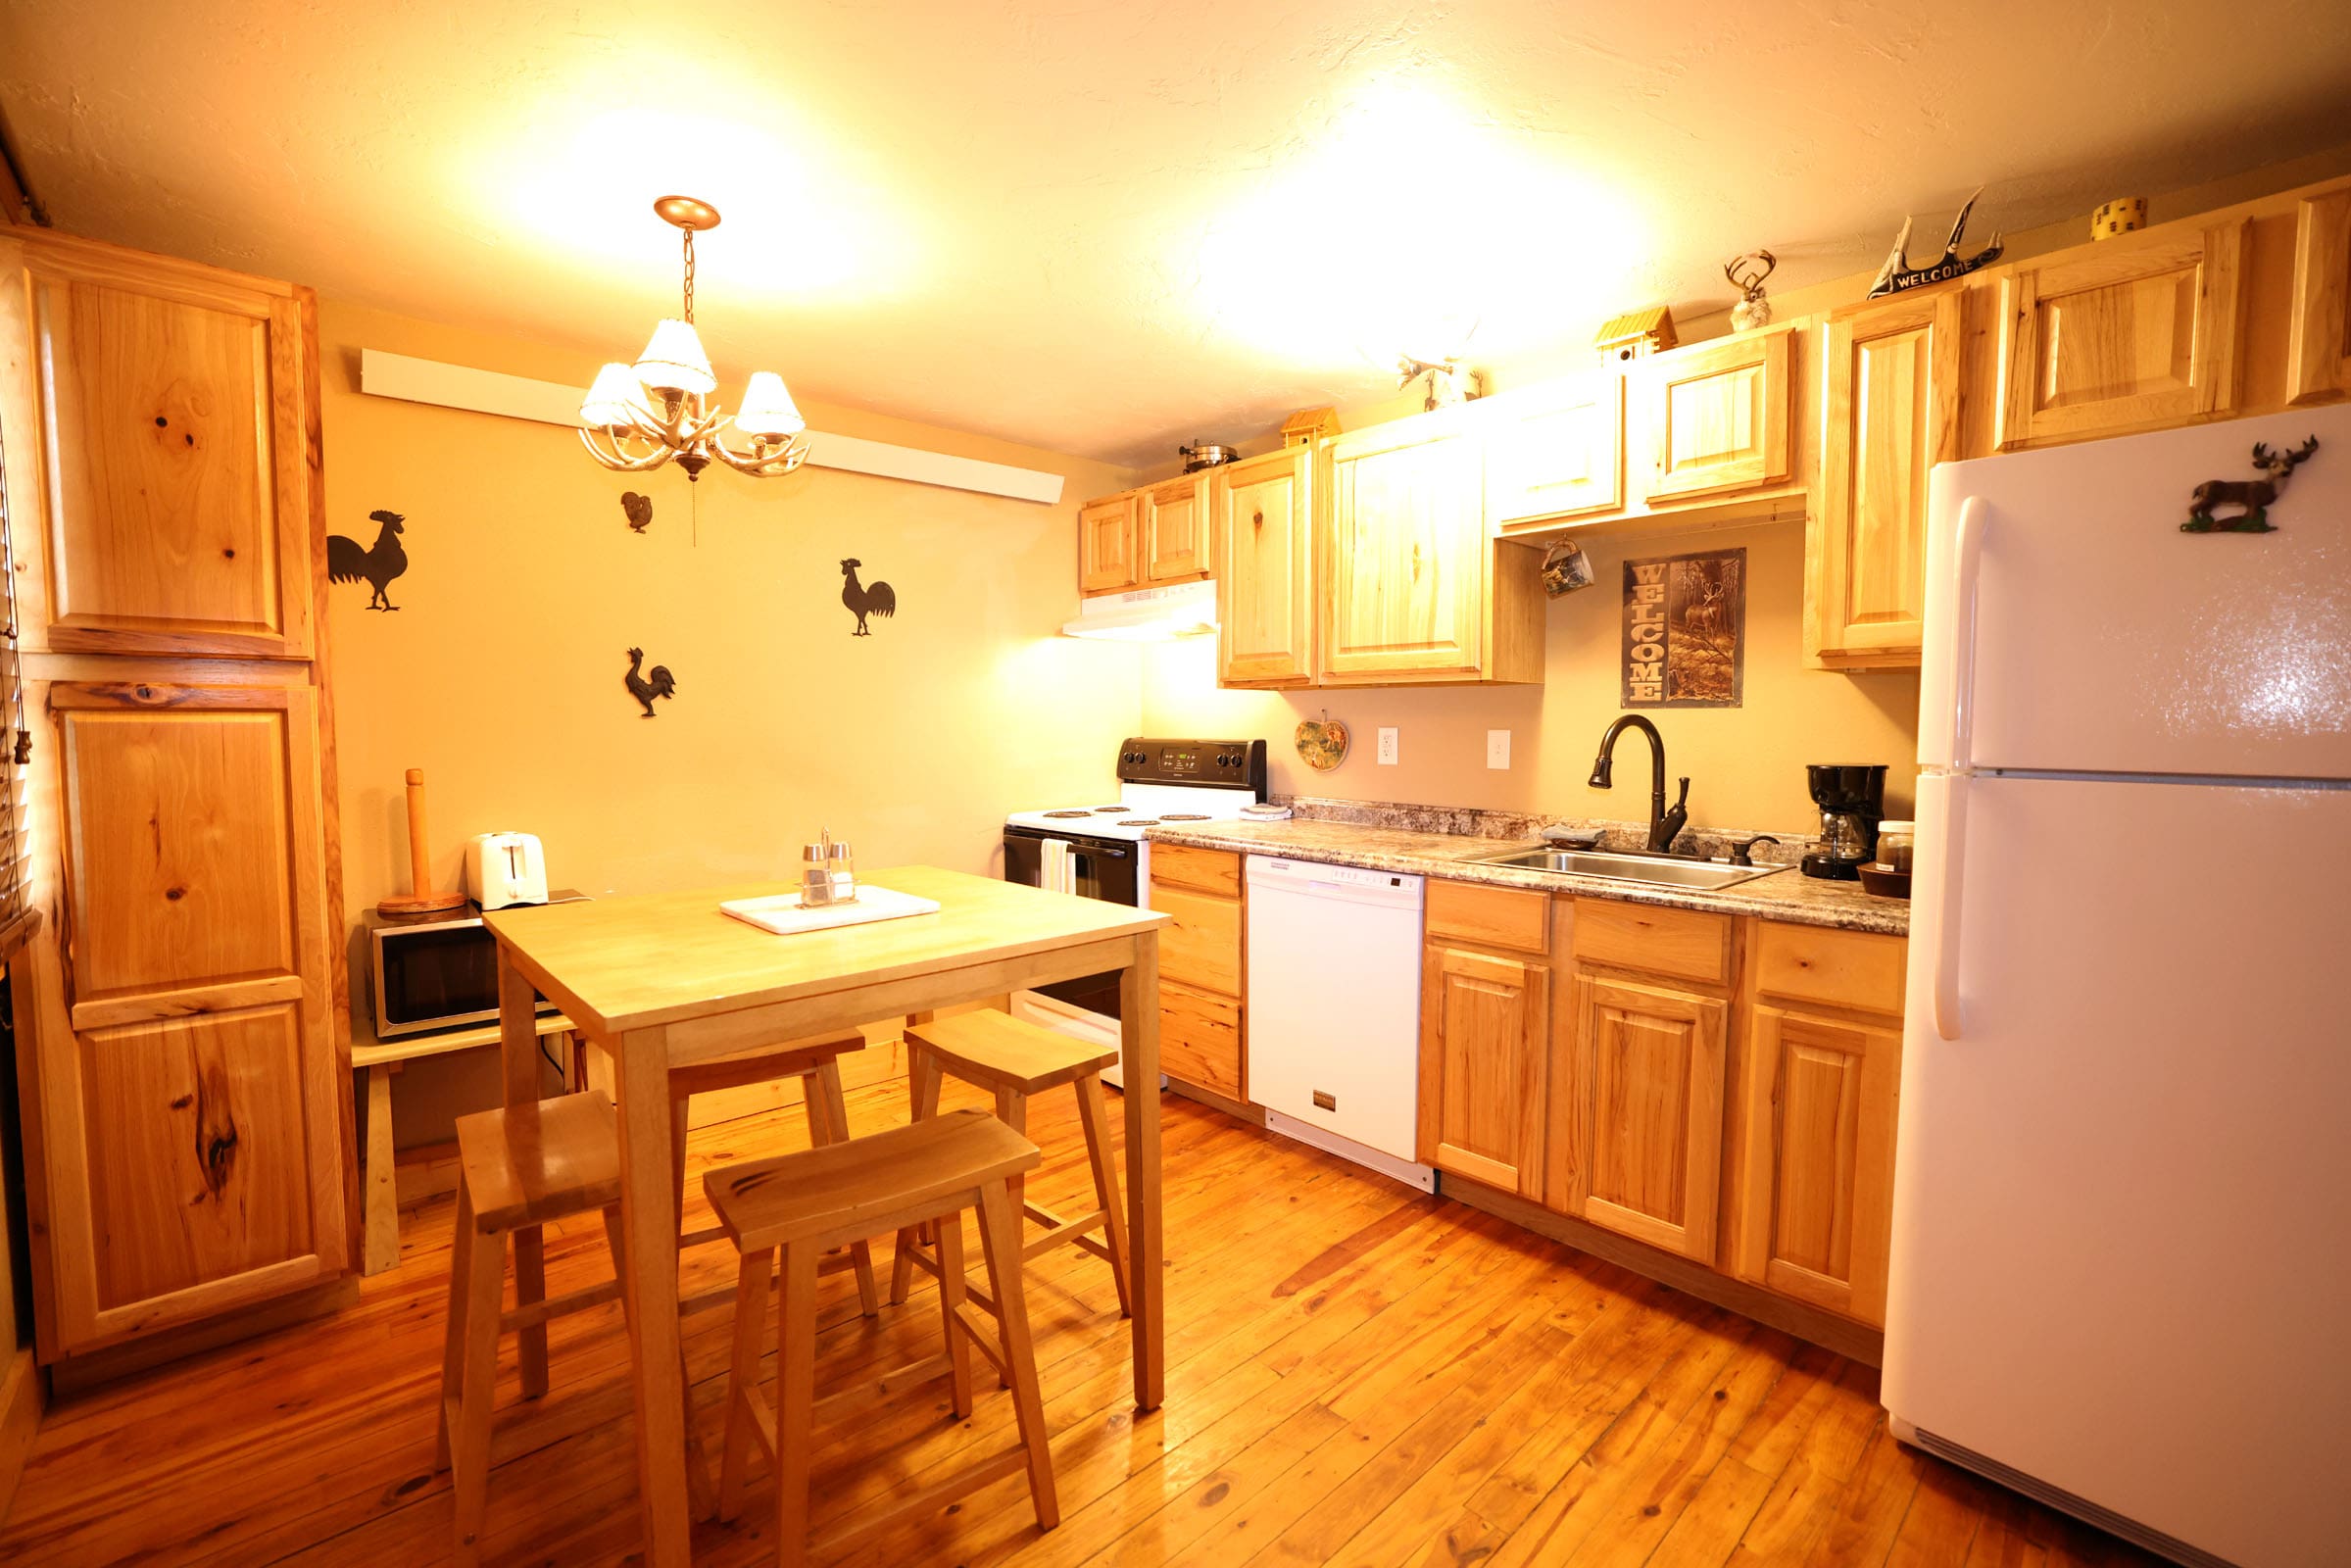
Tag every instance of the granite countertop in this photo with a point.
(1785, 895)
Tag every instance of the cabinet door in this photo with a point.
(1816, 1193)
(1107, 545)
(1201, 944)
(1485, 1024)
(175, 432)
(1404, 567)
(1175, 531)
(1893, 413)
(2135, 334)
(1558, 455)
(1649, 1110)
(1717, 415)
(191, 1132)
(2318, 352)
(1265, 509)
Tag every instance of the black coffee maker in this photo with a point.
(1853, 803)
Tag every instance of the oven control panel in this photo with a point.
(1227, 765)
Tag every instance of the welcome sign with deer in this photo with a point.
(1686, 622)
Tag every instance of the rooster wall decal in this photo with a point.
(879, 600)
(645, 688)
(377, 566)
(637, 508)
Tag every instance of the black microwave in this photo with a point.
(436, 972)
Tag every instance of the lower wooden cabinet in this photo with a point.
(1484, 1067)
(189, 1152)
(1202, 1040)
(1646, 1097)
(1199, 1038)
(1816, 1184)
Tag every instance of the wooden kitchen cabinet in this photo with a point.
(1413, 587)
(1173, 524)
(1263, 509)
(1891, 411)
(2318, 345)
(1820, 1076)
(1107, 544)
(1645, 1099)
(169, 509)
(1202, 1040)
(189, 1093)
(1484, 1067)
(1719, 416)
(2136, 334)
(1554, 453)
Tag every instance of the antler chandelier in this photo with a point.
(639, 417)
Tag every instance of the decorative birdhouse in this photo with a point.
(1635, 336)
(1310, 426)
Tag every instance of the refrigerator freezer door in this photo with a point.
(2122, 1192)
(2108, 641)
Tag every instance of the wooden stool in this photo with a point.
(805, 1203)
(520, 1167)
(997, 1052)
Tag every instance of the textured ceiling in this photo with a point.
(1104, 226)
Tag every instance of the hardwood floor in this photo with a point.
(1356, 1375)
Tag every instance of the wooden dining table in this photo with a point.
(668, 979)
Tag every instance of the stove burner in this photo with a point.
(1141, 822)
(1108, 811)
(1185, 816)
(1065, 816)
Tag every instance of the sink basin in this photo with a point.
(1659, 870)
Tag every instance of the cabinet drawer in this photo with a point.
(1179, 866)
(1202, 947)
(1684, 942)
(1843, 968)
(1200, 1040)
(1517, 918)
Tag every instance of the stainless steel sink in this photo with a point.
(1661, 870)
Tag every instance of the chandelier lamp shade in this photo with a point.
(639, 417)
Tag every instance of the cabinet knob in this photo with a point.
(1257, 520)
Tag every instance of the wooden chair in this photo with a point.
(805, 1204)
(994, 1051)
(520, 1167)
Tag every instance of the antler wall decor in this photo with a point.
(1899, 274)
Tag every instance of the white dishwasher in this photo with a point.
(1334, 1010)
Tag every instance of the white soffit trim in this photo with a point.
(519, 397)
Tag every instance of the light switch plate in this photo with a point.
(1388, 748)
(1498, 747)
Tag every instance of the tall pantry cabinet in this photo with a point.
(183, 1094)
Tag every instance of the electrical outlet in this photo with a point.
(1388, 748)
(1498, 747)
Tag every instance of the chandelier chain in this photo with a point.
(689, 276)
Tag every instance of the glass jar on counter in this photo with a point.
(1895, 843)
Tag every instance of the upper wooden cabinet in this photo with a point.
(1891, 411)
(1263, 509)
(1174, 528)
(2132, 334)
(1107, 544)
(190, 1095)
(2319, 350)
(1413, 587)
(1555, 452)
(1719, 416)
(179, 446)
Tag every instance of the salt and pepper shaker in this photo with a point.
(828, 872)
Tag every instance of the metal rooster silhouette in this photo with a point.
(1899, 274)
(637, 508)
(661, 684)
(878, 600)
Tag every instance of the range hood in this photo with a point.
(1147, 614)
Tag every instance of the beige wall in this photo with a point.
(1746, 762)
(501, 672)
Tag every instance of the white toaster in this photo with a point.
(503, 868)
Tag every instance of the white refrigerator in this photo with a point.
(2122, 1247)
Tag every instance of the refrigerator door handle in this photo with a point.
(1952, 857)
(1975, 520)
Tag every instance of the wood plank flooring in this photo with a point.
(1357, 1375)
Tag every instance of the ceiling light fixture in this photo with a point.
(639, 417)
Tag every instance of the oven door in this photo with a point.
(1102, 868)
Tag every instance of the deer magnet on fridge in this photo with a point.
(2256, 496)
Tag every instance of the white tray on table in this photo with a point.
(783, 913)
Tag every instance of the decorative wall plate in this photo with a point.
(1322, 743)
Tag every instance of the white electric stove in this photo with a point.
(1097, 851)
